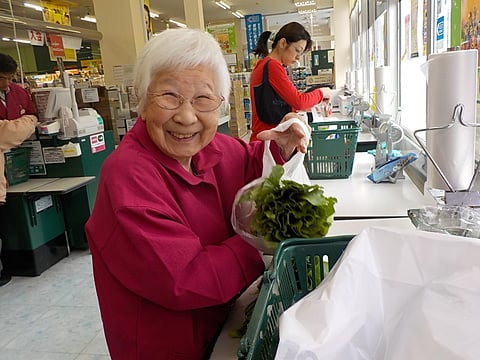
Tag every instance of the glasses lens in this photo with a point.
(168, 101)
(172, 101)
(207, 103)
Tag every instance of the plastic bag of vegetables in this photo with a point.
(272, 209)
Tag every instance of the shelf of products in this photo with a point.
(244, 79)
(299, 77)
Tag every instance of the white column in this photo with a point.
(124, 34)
(341, 32)
(194, 14)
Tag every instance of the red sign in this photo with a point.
(56, 45)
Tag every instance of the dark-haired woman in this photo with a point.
(289, 44)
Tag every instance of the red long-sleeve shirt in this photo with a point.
(19, 103)
(284, 87)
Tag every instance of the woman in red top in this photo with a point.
(289, 43)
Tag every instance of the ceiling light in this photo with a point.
(178, 23)
(305, 3)
(89, 18)
(33, 6)
(222, 5)
(154, 15)
(16, 40)
(307, 11)
(66, 29)
(237, 14)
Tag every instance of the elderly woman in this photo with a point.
(167, 263)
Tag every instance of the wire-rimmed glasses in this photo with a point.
(171, 101)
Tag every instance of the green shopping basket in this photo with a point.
(299, 265)
(331, 151)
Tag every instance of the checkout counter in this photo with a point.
(32, 224)
(73, 142)
(45, 216)
(361, 204)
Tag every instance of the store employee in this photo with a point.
(17, 114)
(15, 101)
(17, 121)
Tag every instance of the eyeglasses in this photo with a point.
(172, 101)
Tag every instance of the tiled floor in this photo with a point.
(53, 316)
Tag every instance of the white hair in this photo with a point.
(177, 49)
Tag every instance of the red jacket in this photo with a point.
(284, 87)
(19, 103)
(167, 263)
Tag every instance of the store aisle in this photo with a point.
(53, 316)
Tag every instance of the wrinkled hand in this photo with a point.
(289, 140)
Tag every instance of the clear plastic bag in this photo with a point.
(244, 211)
(453, 220)
(242, 217)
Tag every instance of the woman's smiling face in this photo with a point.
(182, 132)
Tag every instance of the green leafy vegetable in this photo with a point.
(287, 209)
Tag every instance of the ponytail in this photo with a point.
(262, 45)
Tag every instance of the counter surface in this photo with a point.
(50, 185)
(358, 197)
(226, 347)
(361, 204)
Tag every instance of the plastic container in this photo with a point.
(331, 151)
(17, 165)
(299, 266)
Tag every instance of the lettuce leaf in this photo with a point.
(287, 209)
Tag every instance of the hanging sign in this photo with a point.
(37, 38)
(225, 35)
(57, 14)
(55, 43)
(254, 27)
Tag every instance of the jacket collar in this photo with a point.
(204, 160)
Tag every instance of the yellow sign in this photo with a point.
(55, 13)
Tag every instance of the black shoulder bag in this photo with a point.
(270, 106)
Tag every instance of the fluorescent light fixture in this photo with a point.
(154, 15)
(17, 40)
(237, 14)
(89, 18)
(178, 23)
(305, 3)
(307, 11)
(63, 29)
(222, 5)
(33, 6)
(11, 19)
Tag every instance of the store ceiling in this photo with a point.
(278, 12)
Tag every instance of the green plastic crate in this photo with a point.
(299, 265)
(17, 165)
(331, 150)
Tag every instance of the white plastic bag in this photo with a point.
(294, 168)
(395, 295)
(244, 211)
